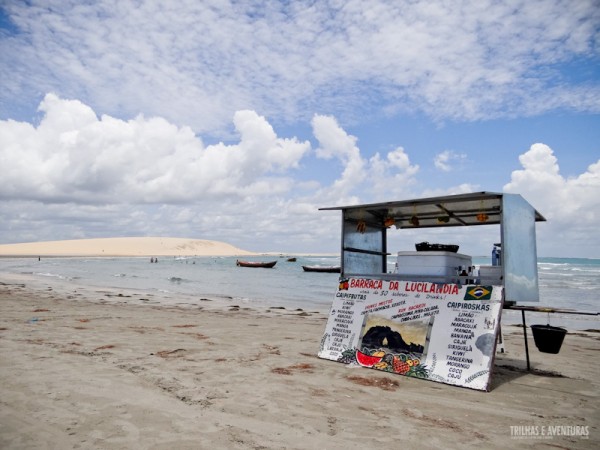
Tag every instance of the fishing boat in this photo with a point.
(326, 269)
(267, 265)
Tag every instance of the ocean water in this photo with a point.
(178, 280)
(566, 283)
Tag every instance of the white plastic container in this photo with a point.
(431, 263)
(490, 275)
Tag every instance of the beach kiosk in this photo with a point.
(435, 315)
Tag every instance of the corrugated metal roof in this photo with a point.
(478, 208)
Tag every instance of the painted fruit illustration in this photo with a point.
(367, 360)
(400, 366)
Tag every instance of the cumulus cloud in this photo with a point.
(74, 156)
(571, 205)
(445, 160)
(77, 174)
(335, 142)
(391, 174)
(196, 65)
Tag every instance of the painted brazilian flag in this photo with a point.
(478, 293)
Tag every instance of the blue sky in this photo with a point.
(236, 121)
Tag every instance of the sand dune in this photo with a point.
(126, 246)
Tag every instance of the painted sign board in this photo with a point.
(439, 332)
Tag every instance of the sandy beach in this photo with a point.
(124, 246)
(101, 369)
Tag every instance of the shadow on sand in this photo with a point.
(508, 369)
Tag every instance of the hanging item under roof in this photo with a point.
(445, 218)
(482, 216)
(414, 220)
(361, 226)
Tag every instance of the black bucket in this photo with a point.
(548, 339)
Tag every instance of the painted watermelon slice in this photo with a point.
(367, 360)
